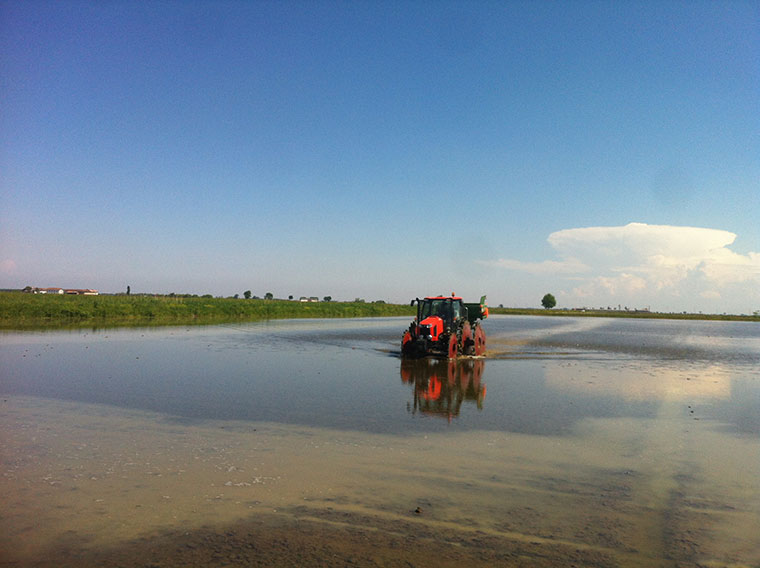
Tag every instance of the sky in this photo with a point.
(605, 152)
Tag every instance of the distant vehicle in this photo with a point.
(445, 326)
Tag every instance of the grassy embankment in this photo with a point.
(27, 311)
(40, 311)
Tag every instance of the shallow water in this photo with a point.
(575, 441)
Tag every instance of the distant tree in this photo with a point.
(548, 301)
(268, 296)
(247, 294)
(359, 300)
(327, 298)
(290, 297)
(128, 290)
(236, 296)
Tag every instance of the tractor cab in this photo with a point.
(447, 309)
(438, 315)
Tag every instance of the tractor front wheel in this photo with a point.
(452, 346)
(407, 344)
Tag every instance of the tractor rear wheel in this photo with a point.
(480, 341)
(452, 346)
(467, 342)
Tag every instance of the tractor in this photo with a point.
(445, 326)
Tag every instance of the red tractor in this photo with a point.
(445, 327)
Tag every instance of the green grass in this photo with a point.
(42, 311)
(24, 311)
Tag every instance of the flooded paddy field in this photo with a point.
(575, 442)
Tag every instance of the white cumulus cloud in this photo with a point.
(647, 263)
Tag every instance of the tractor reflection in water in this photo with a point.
(441, 386)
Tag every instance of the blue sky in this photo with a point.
(606, 152)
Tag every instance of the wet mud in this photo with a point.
(323, 539)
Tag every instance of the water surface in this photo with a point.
(575, 441)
